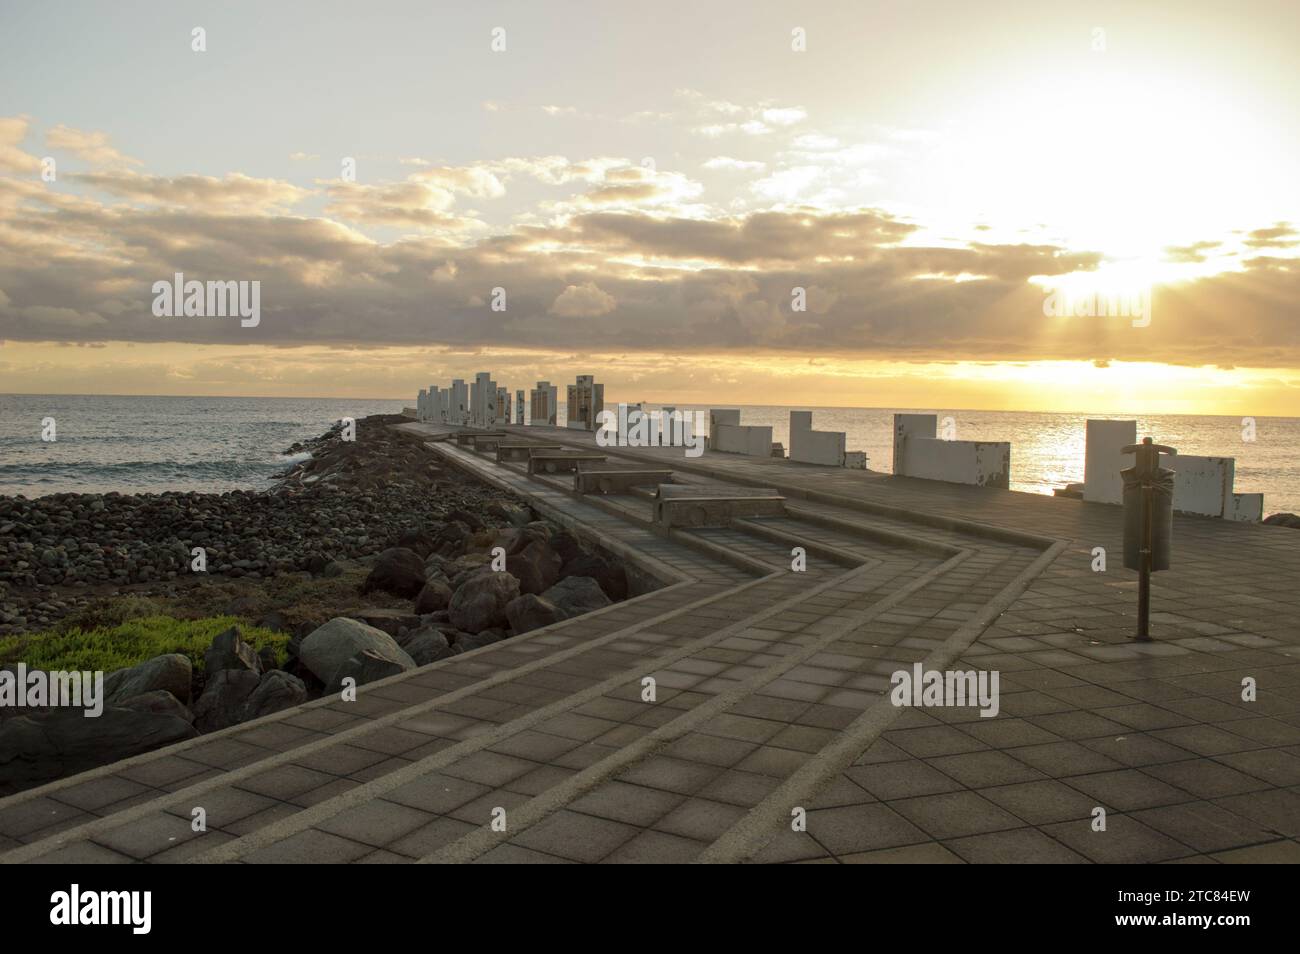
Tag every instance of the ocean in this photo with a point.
(154, 444)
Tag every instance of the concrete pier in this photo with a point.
(772, 696)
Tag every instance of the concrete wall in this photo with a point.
(1245, 507)
(814, 447)
(1102, 460)
(735, 439)
(1202, 485)
(918, 453)
(728, 435)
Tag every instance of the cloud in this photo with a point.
(738, 165)
(582, 301)
(1279, 236)
(92, 147)
(13, 130)
(234, 192)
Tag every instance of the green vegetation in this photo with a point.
(125, 643)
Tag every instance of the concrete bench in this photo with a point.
(617, 481)
(679, 505)
(548, 463)
(512, 452)
(464, 438)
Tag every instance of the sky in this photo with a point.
(891, 204)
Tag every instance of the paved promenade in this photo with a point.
(770, 702)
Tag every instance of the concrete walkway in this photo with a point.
(770, 702)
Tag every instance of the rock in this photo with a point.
(223, 698)
(536, 566)
(462, 568)
(427, 644)
(419, 542)
(435, 596)
(272, 621)
(398, 571)
(511, 513)
(276, 690)
(470, 641)
(566, 545)
(232, 696)
(367, 666)
(611, 576)
(471, 522)
(1283, 520)
(171, 673)
(480, 601)
(330, 646)
(229, 651)
(333, 569)
(390, 621)
(159, 702)
(62, 742)
(267, 656)
(529, 612)
(576, 595)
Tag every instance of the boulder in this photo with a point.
(420, 542)
(427, 644)
(435, 596)
(232, 696)
(471, 521)
(576, 595)
(470, 641)
(390, 621)
(366, 666)
(277, 690)
(480, 601)
(511, 513)
(451, 538)
(462, 568)
(530, 611)
(566, 545)
(171, 673)
(223, 698)
(1283, 520)
(229, 651)
(62, 742)
(330, 646)
(536, 566)
(159, 702)
(611, 576)
(398, 571)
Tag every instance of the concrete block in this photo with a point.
(1202, 485)
(918, 453)
(1102, 460)
(548, 463)
(617, 481)
(1247, 508)
(814, 447)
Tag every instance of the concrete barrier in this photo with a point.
(919, 453)
(1202, 485)
(814, 447)
(1102, 460)
(514, 452)
(690, 506)
(550, 463)
(729, 436)
(617, 481)
(465, 438)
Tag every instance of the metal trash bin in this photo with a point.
(1162, 517)
(1148, 520)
